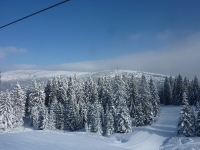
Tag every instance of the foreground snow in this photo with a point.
(161, 135)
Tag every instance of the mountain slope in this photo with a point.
(24, 77)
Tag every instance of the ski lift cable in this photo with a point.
(34, 13)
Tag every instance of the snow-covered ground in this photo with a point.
(35, 74)
(161, 135)
(24, 77)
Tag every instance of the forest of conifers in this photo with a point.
(104, 106)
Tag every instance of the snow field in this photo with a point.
(161, 135)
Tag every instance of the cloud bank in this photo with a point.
(182, 57)
(4, 51)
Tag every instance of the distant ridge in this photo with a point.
(24, 77)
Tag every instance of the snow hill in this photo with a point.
(24, 77)
(161, 135)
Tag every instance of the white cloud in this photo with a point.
(9, 50)
(181, 57)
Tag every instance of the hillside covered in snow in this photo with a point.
(25, 77)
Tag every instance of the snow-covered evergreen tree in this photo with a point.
(72, 114)
(49, 119)
(48, 90)
(18, 97)
(6, 112)
(122, 116)
(195, 91)
(144, 97)
(36, 102)
(179, 90)
(139, 115)
(53, 92)
(171, 81)
(80, 105)
(93, 119)
(167, 92)
(185, 124)
(154, 98)
(109, 122)
(133, 95)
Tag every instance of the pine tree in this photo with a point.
(72, 122)
(49, 119)
(36, 102)
(139, 115)
(80, 105)
(122, 116)
(61, 92)
(155, 100)
(144, 96)
(109, 122)
(133, 95)
(6, 112)
(195, 91)
(41, 120)
(48, 90)
(18, 97)
(171, 81)
(93, 119)
(53, 92)
(167, 92)
(185, 123)
(179, 89)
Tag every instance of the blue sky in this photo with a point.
(159, 36)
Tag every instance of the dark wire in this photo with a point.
(34, 13)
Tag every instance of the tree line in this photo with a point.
(104, 106)
(173, 89)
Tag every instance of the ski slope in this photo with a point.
(161, 135)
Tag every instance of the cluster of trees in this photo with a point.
(104, 105)
(189, 121)
(12, 108)
(175, 87)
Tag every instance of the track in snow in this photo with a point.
(152, 137)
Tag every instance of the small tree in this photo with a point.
(154, 98)
(6, 112)
(185, 123)
(167, 92)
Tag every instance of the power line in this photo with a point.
(34, 13)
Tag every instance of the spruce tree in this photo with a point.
(6, 112)
(155, 100)
(133, 95)
(144, 96)
(179, 89)
(195, 91)
(122, 116)
(109, 122)
(48, 90)
(167, 92)
(185, 124)
(36, 102)
(18, 97)
(139, 115)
